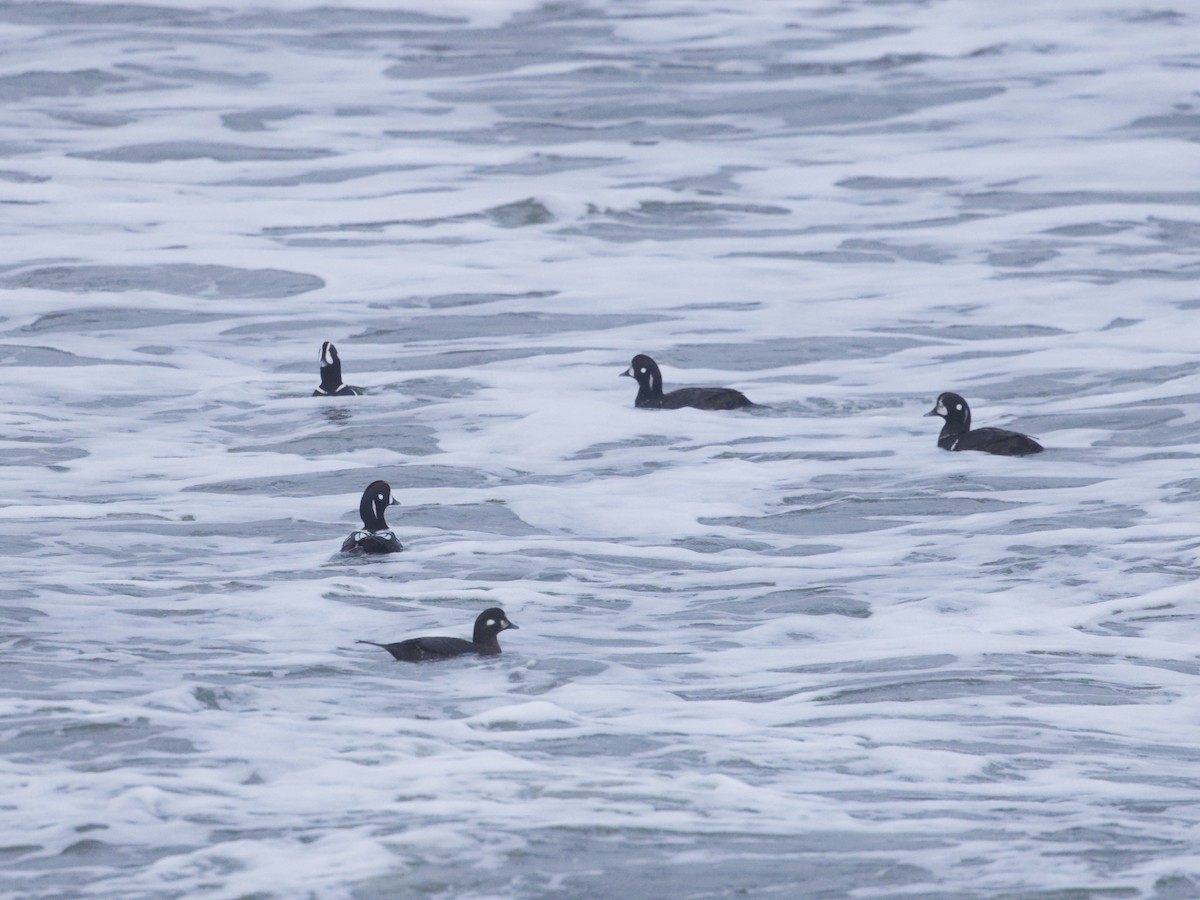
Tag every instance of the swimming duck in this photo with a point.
(375, 536)
(957, 434)
(331, 375)
(650, 391)
(488, 624)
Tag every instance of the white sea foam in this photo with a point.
(796, 650)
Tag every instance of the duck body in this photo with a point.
(372, 543)
(488, 625)
(331, 375)
(650, 394)
(957, 433)
(374, 537)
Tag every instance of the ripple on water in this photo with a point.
(466, 327)
(776, 352)
(182, 279)
(347, 481)
(643, 861)
(400, 437)
(115, 319)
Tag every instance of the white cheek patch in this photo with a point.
(941, 408)
(490, 623)
(643, 371)
(958, 406)
(381, 496)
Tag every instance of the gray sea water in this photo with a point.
(795, 651)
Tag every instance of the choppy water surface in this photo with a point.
(796, 651)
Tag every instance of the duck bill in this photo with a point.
(628, 372)
(932, 412)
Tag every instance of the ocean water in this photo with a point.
(796, 651)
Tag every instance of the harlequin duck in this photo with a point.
(375, 536)
(331, 375)
(957, 434)
(650, 391)
(488, 624)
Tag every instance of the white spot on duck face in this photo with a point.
(958, 406)
(490, 623)
(941, 407)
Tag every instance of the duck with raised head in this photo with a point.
(488, 625)
(650, 394)
(957, 433)
(331, 375)
(374, 536)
